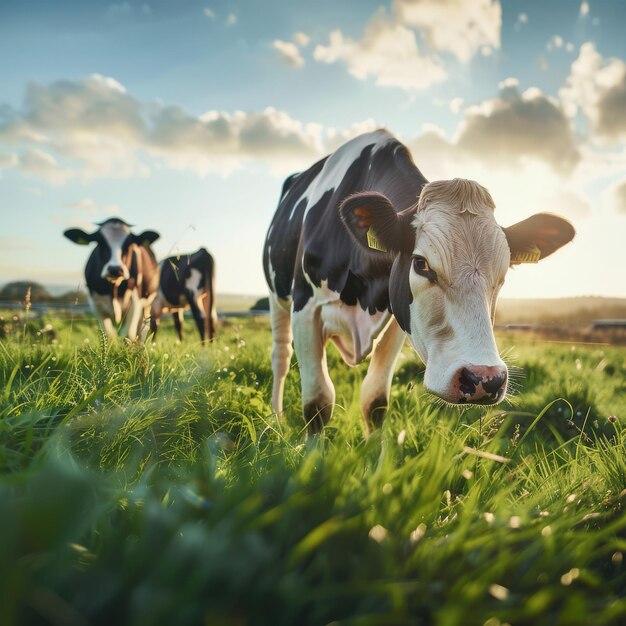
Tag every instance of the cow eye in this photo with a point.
(421, 267)
(420, 264)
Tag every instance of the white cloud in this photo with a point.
(597, 87)
(518, 125)
(456, 104)
(584, 9)
(522, 19)
(555, 42)
(288, 52)
(461, 27)
(400, 50)
(388, 52)
(618, 196)
(43, 165)
(568, 201)
(503, 134)
(335, 138)
(301, 39)
(231, 19)
(8, 160)
(84, 213)
(93, 128)
(208, 12)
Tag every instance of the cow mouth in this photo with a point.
(487, 399)
(473, 391)
(115, 280)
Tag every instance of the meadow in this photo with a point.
(152, 485)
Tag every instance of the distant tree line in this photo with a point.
(16, 292)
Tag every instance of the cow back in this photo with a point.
(307, 243)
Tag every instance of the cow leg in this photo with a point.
(377, 383)
(107, 326)
(210, 315)
(178, 316)
(318, 393)
(280, 321)
(134, 317)
(156, 310)
(197, 312)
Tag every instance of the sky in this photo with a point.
(185, 117)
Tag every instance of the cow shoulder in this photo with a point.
(280, 252)
(382, 165)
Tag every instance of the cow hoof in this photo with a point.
(376, 413)
(317, 416)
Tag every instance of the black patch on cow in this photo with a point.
(316, 416)
(98, 258)
(321, 246)
(285, 231)
(400, 294)
(175, 270)
(376, 413)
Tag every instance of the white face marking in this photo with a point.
(115, 233)
(451, 320)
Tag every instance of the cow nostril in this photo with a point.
(469, 376)
(468, 381)
(495, 384)
(481, 384)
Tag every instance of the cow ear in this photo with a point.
(373, 222)
(146, 238)
(537, 237)
(79, 236)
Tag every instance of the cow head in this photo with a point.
(450, 258)
(113, 240)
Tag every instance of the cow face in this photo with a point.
(113, 240)
(450, 258)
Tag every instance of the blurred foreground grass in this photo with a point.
(153, 485)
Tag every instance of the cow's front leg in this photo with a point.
(134, 317)
(107, 326)
(318, 393)
(156, 310)
(377, 382)
(178, 317)
(280, 320)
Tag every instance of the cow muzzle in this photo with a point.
(115, 273)
(478, 384)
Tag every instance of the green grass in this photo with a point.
(153, 485)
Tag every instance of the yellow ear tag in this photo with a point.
(529, 256)
(373, 242)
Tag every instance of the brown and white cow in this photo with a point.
(187, 281)
(363, 251)
(122, 275)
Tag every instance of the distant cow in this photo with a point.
(187, 280)
(364, 251)
(122, 274)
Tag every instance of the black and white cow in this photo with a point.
(122, 274)
(363, 251)
(187, 280)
